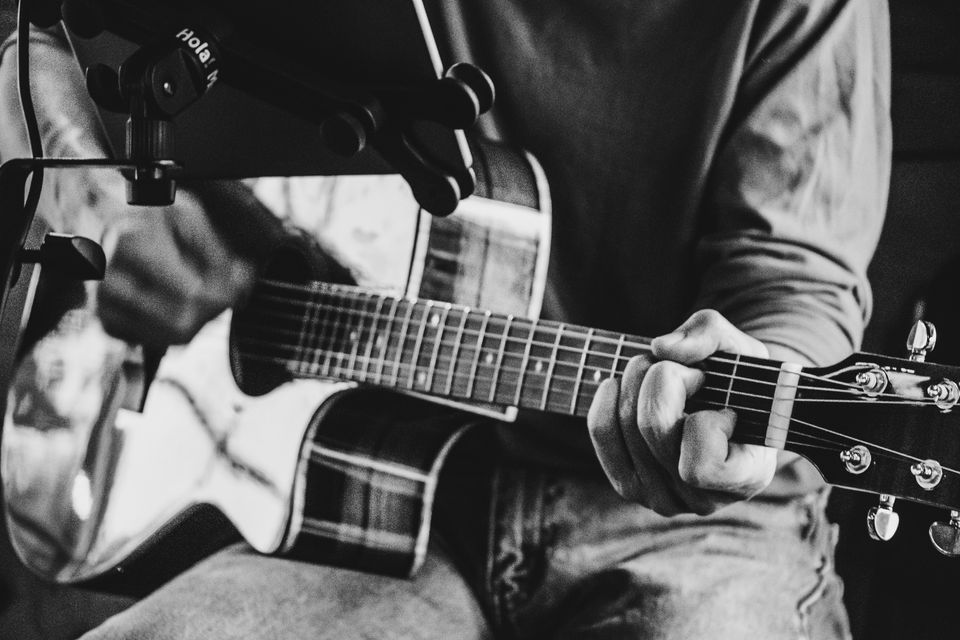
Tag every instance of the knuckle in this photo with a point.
(708, 319)
(694, 473)
(182, 326)
(637, 367)
(628, 488)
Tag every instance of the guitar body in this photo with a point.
(108, 456)
(268, 420)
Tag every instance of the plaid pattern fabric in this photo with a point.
(369, 472)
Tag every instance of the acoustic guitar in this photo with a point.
(109, 461)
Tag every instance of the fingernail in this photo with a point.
(668, 340)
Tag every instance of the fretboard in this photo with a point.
(332, 331)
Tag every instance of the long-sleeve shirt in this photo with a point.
(731, 154)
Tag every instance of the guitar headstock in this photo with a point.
(890, 426)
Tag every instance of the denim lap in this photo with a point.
(573, 561)
(565, 558)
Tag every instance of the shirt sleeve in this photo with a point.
(797, 197)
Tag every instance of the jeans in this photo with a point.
(521, 553)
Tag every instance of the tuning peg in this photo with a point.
(922, 340)
(882, 520)
(945, 536)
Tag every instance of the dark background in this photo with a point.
(898, 589)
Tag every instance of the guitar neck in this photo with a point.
(452, 351)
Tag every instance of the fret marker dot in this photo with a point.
(538, 367)
(422, 379)
(379, 342)
(434, 319)
(488, 358)
(354, 336)
(597, 375)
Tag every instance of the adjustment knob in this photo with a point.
(882, 520)
(945, 536)
(478, 81)
(103, 85)
(344, 134)
(149, 140)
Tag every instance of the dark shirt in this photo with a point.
(732, 154)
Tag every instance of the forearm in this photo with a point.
(800, 191)
(66, 116)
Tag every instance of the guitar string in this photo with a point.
(446, 367)
(376, 316)
(408, 370)
(893, 453)
(440, 367)
(331, 354)
(741, 364)
(841, 442)
(588, 392)
(354, 294)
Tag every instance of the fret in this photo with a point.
(751, 397)
(580, 370)
(345, 332)
(632, 348)
(481, 334)
(456, 350)
(733, 376)
(331, 318)
(418, 346)
(437, 343)
(499, 364)
(372, 338)
(385, 340)
(525, 362)
(312, 363)
(615, 365)
(537, 359)
(300, 350)
(601, 357)
(548, 381)
(351, 333)
(401, 346)
(355, 335)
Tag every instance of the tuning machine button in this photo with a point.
(944, 394)
(882, 520)
(945, 536)
(856, 459)
(922, 340)
(873, 382)
(928, 473)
